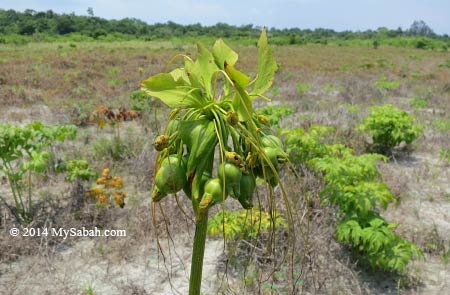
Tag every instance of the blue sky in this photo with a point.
(335, 14)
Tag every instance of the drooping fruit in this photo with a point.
(230, 175)
(247, 185)
(170, 178)
(213, 194)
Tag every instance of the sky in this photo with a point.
(340, 15)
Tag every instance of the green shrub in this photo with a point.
(275, 113)
(303, 146)
(418, 102)
(444, 154)
(389, 126)
(354, 184)
(445, 64)
(442, 125)
(301, 88)
(141, 100)
(245, 224)
(383, 84)
(77, 170)
(24, 151)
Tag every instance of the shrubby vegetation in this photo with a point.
(354, 184)
(389, 127)
(24, 151)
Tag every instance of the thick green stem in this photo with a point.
(201, 226)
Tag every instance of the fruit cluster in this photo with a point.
(189, 139)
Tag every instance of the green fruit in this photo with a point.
(213, 194)
(271, 141)
(170, 178)
(272, 154)
(248, 185)
(230, 175)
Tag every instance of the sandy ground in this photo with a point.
(88, 264)
(423, 215)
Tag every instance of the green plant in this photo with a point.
(275, 91)
(352, 108)
(245, 224)
(89, 290)
(76, 170)
(24, 151)
(444, 154)
(301, 88)
(303, 146)
(212, 107)
(442, 125)
(445, 64)
(388, 127)
(417, 103)
(353, 183)
(383, 84)
(275, 113)
(142, 101)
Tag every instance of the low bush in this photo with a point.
(389, 126)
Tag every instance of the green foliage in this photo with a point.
(245, 224)
(442, 125)
(444, 154)
(77, 170)
(418, 102)
(445, 64)
(388, 127)
(352, 108)
(353, 183)
(383, 84)
(374, 237)
(33, 26)
(23, 150)
(301, 88)
(303, 146)
(141, 101)
(275, 113)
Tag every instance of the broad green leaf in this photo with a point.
(161, 82)
(205, 68)
(179, 74)
(172, 93)
(193, 73)
(237, 77)
(267, 66)
(223, 54)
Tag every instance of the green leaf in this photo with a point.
(223, 54)
(267, 66)
(237, 77)
(206, 68)
(174, 93)
(242, 102)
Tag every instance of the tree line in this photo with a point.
(30, 22)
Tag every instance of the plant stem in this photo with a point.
(201, 226)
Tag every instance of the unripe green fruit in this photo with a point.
(248, 185)
(230, 175)
(213, 194)
(170, 178)
(271, 141)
